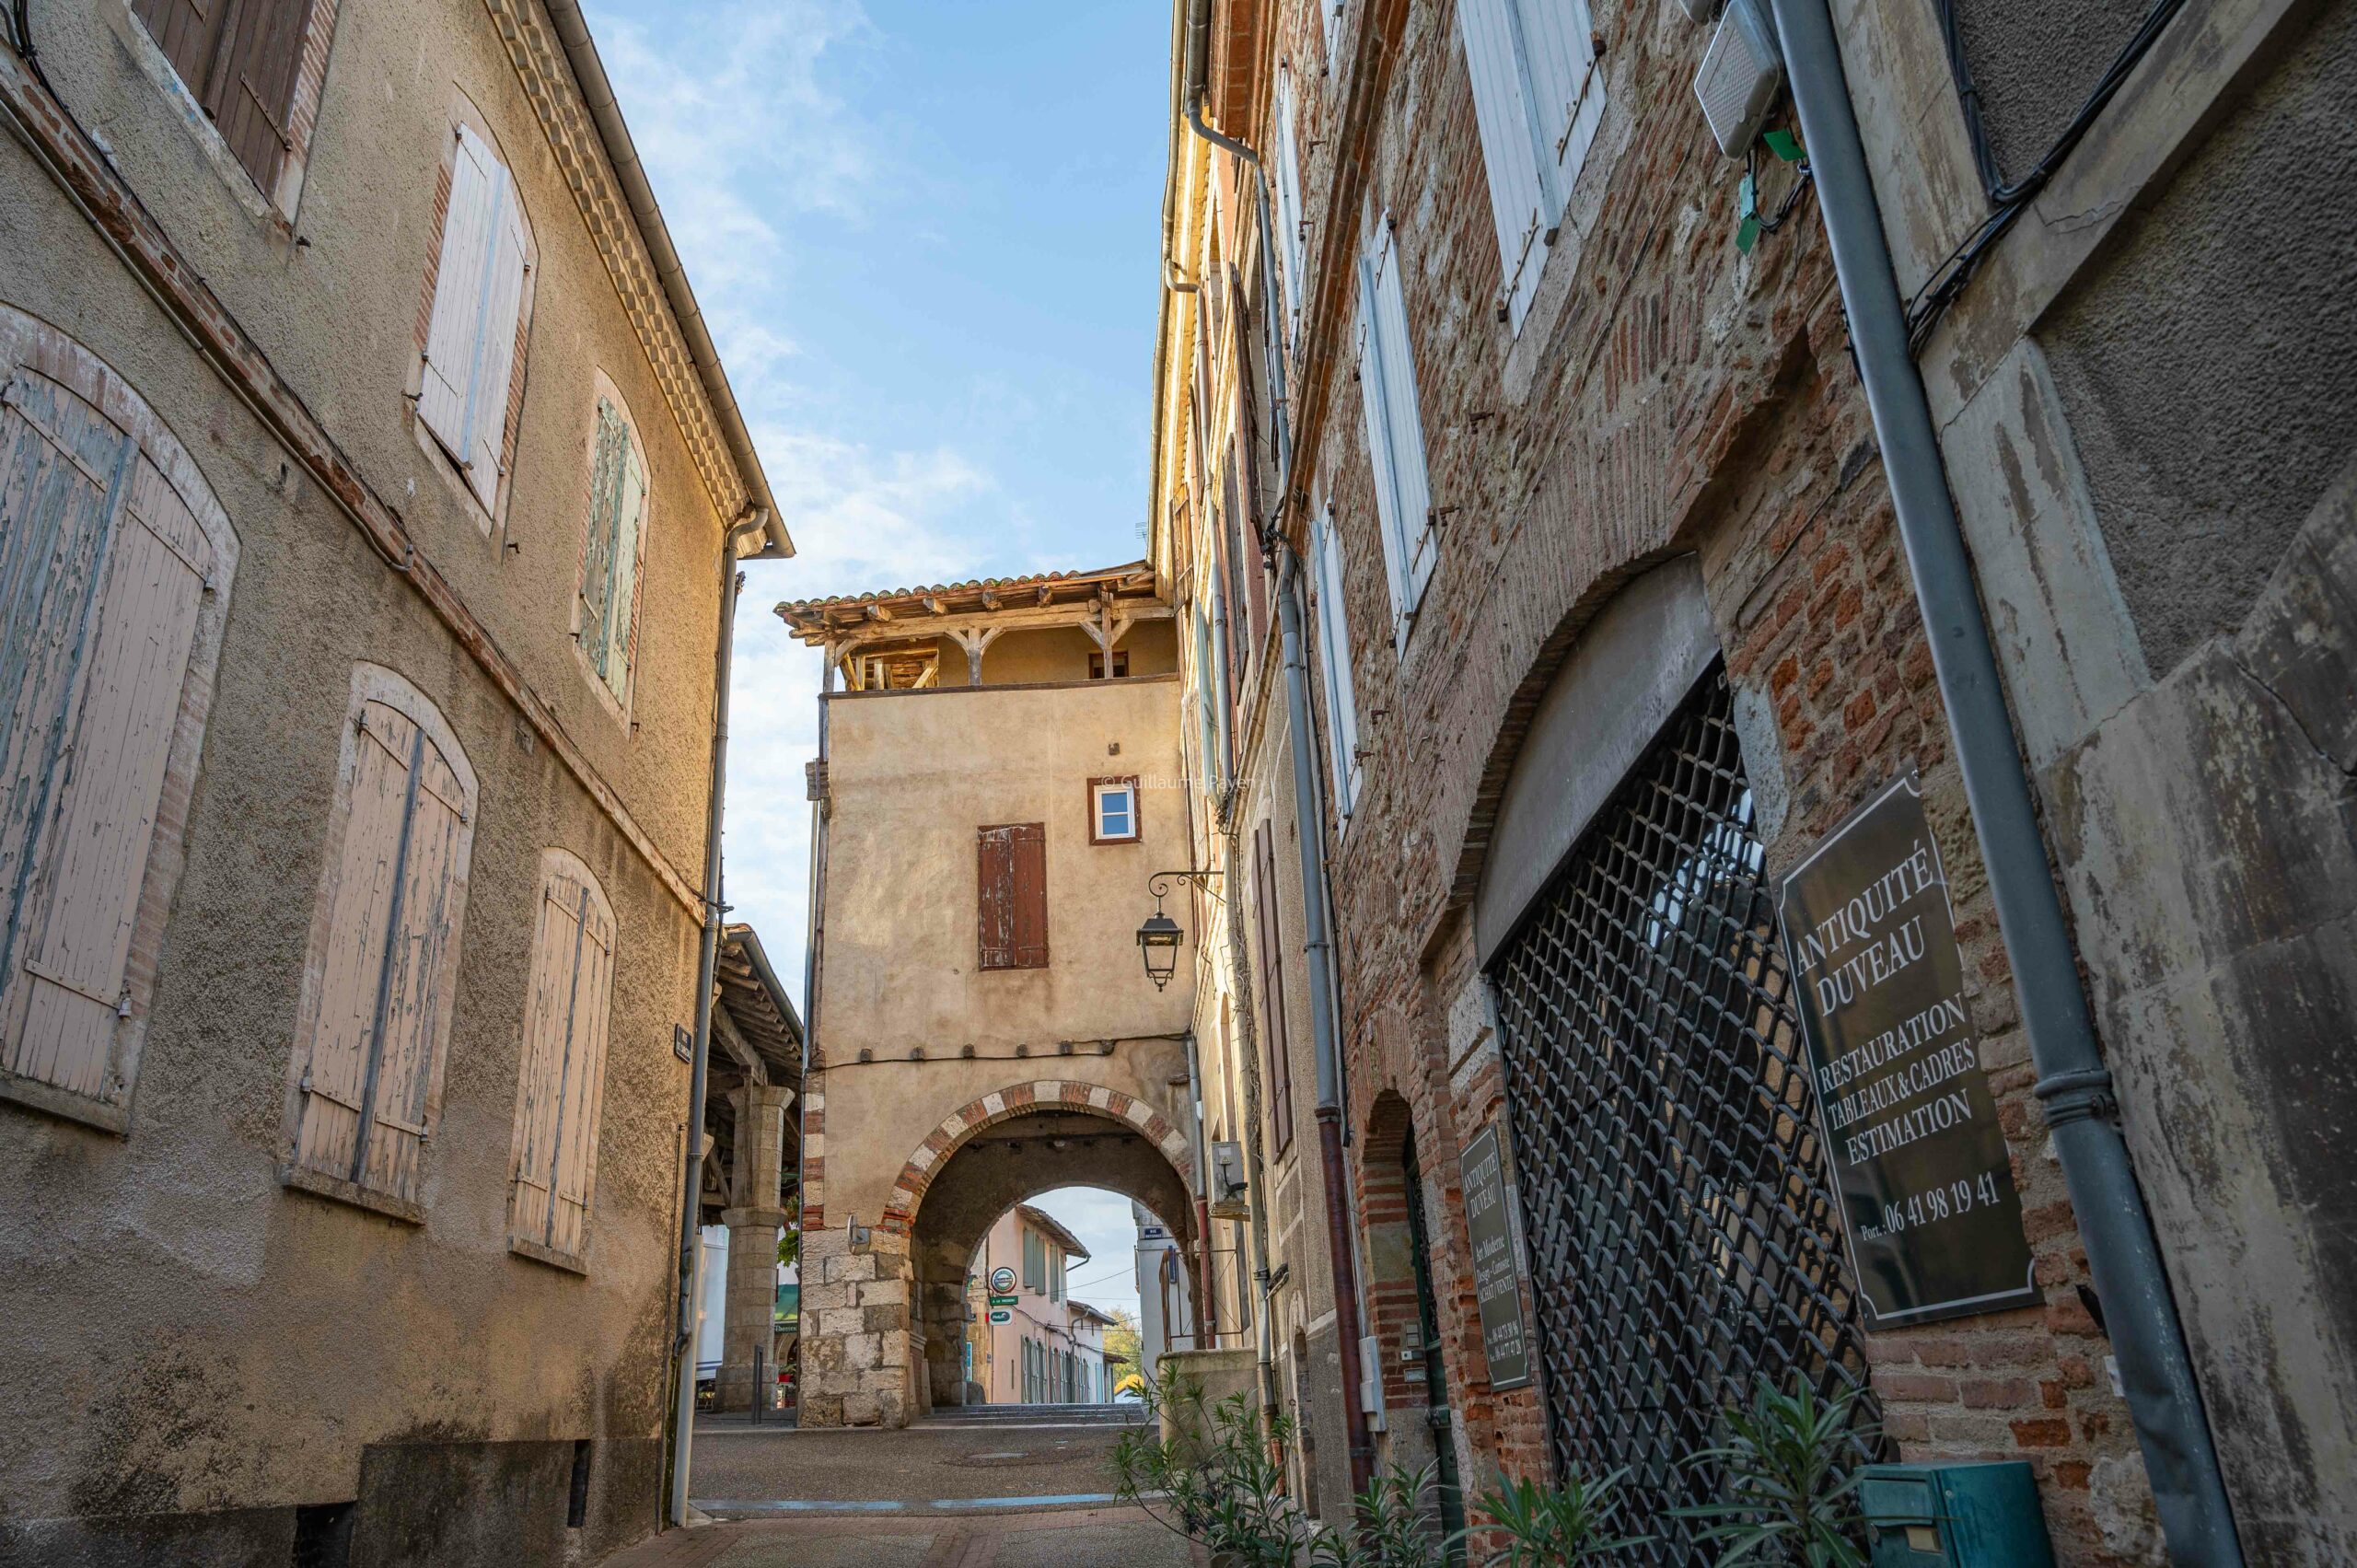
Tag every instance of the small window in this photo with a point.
(1120, 665)
(1113, 811)
(474, 327)
(1334, 664)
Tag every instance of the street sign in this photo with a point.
(1001, 1317)
(1933, 1221)
(1495, 1232)
(1002, 1300)
(1002, 1281)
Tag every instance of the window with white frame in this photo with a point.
(560, 1096)
(1539, 95)
(614, 550)
(1291, 243)
(1334, 664)
(471, 383)
(1113, 811)
(1395, 432)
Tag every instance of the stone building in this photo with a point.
(1532, 424)
(995, 789)
(369, 496)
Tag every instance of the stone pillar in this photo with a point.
(749, 1322)
(857, 1344)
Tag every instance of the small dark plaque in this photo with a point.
(1491, 1222)
(1934, 1222)
(683, 1044)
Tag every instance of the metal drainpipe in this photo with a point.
(1206, 1304)
(707, 963)
(1311, 839)
(2162, 1397)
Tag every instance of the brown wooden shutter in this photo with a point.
(189, 32)
(1011, 886)
(239, 60)
(250, 101)
(1268, 931)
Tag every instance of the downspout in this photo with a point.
(1206, 1304)
(683, 1419)
(2081, 1113)
(1311, 835)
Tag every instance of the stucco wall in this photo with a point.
(912, 777)
(191, 1342)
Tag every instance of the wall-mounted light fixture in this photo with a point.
(1159, 938)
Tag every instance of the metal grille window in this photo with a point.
(1682, 1226)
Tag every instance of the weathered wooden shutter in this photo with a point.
(375, 1048)
(1565, 89)
(610, 561)
(560, 1098)
(1503, 110)
(1012, 886)
(1292, 244)
(251, 98)
(189, 32)
(1268, 928)
(1395, 430)
(478, 298)
(62, 490)
(1334, 649)
(239, 60)
(84, 899)
(1378, 446)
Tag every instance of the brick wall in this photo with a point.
(1666, 395)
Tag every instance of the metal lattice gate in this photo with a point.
(1681, 1224)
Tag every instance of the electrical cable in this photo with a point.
(2010, 200)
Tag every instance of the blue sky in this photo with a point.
(925, 235)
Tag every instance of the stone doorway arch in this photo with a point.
(884, 1316)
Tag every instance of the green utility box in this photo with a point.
(1954, 1516)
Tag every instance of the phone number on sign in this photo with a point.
(1958, 1197)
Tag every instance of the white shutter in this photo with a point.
(1290, 242)
(1538, 95)
(373, 1071)
(478, 293)
(467, 229)
(1334, 647)
(503, 297)
(1565, 87)
(1378, 441)
(1395, 430)
(84, 895)
(560, 1096)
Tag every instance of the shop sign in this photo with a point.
(1003, 1301)
(1002, 1317)
(1932, 1220)
(1001, 1280)
(1495, 1229)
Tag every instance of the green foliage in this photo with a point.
(1395, 1531)
(1216, 1479)
(1784, 1499)
(789, 1240)
(1555, 1527)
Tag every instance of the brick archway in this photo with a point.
(1022, 1099)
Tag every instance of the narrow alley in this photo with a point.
(1297, 784)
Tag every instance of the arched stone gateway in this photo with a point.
(885, 1301)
